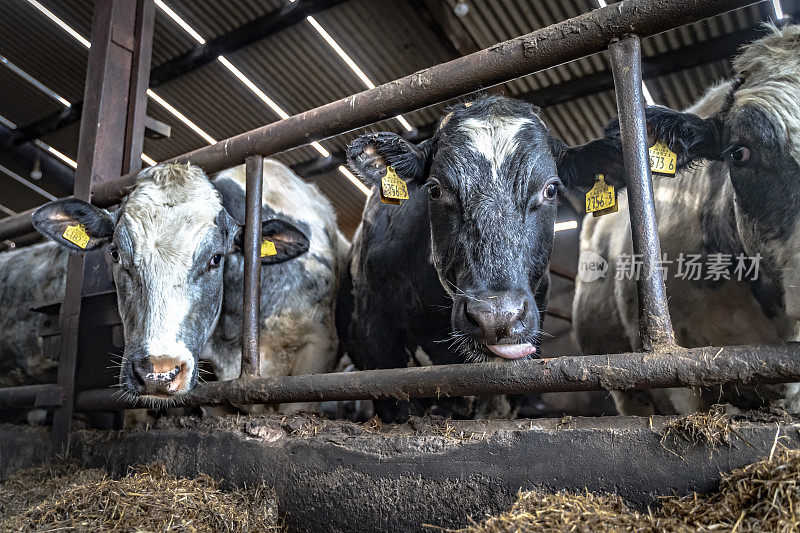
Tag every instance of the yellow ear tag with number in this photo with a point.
(77, 235)
(662, 159)
(393, 188)
(601, 199)
(268, 248)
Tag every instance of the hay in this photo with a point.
(65, 496)
(764, 496)
(565, 511)
(712, 428)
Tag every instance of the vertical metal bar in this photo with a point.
(251, 365)
(101, 151)
(140, 78)
(69, 321)
(655, 326)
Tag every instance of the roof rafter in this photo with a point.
(233, 41)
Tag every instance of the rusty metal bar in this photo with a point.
(655, 326)
(142, 50)
(252, 267)
(672, 367)
(559, 313)
(31, 396)
(16, 225)
(562, 273)
(101, 155)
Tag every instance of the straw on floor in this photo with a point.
(66, 496)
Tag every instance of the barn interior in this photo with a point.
(223, 67)
(220, 68)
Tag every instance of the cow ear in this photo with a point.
(369, 155)
(74, 224)
(578, 165)
(692, 138)
(281, 242)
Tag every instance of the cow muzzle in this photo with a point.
(502, 323)
(162, 376)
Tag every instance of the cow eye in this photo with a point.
(215, 261)
(740, 154)
(434, 190)
(115, 255)
(551, 190)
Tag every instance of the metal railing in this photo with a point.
(661, 364)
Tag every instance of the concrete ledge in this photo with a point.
(340, 476)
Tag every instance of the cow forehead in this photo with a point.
(770, 68)
(495, 137)
(172, 234)
(169, 213)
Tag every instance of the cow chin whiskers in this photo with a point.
(124, 395)
(158, 402)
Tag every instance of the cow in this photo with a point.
(458, 273)
(733, 203)
(175, 245)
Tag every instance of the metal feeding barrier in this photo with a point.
(617, 28)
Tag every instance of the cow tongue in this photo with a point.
(512, 351)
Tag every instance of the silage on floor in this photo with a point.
(760, 497)
(66, 496)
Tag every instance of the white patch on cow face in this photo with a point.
(169, 300)
(493, 138)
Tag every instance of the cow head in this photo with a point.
(492, 174)
(749, 130)
(169, 241)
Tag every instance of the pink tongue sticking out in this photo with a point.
(512, 351)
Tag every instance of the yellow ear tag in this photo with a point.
(662, 159)
(393, 188)
(268, 248)
(601, 199)
(77, 235)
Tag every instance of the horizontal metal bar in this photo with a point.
(672, 367)
(14, 226)
(562, 273)
(49, 395)
(566, 41)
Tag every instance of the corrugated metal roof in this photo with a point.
(298, 70)
(43, 50)
(20, 102)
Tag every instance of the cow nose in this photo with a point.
(160, 375)
(493, 317)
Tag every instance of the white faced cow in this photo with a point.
(178, 270)
(735, 196)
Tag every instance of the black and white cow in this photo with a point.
(458, 273)
(178, 271)
(736, 194)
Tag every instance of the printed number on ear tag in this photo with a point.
(268, 248)
(662, 159)
(601, 200)
(77, 235)
(393, 188)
